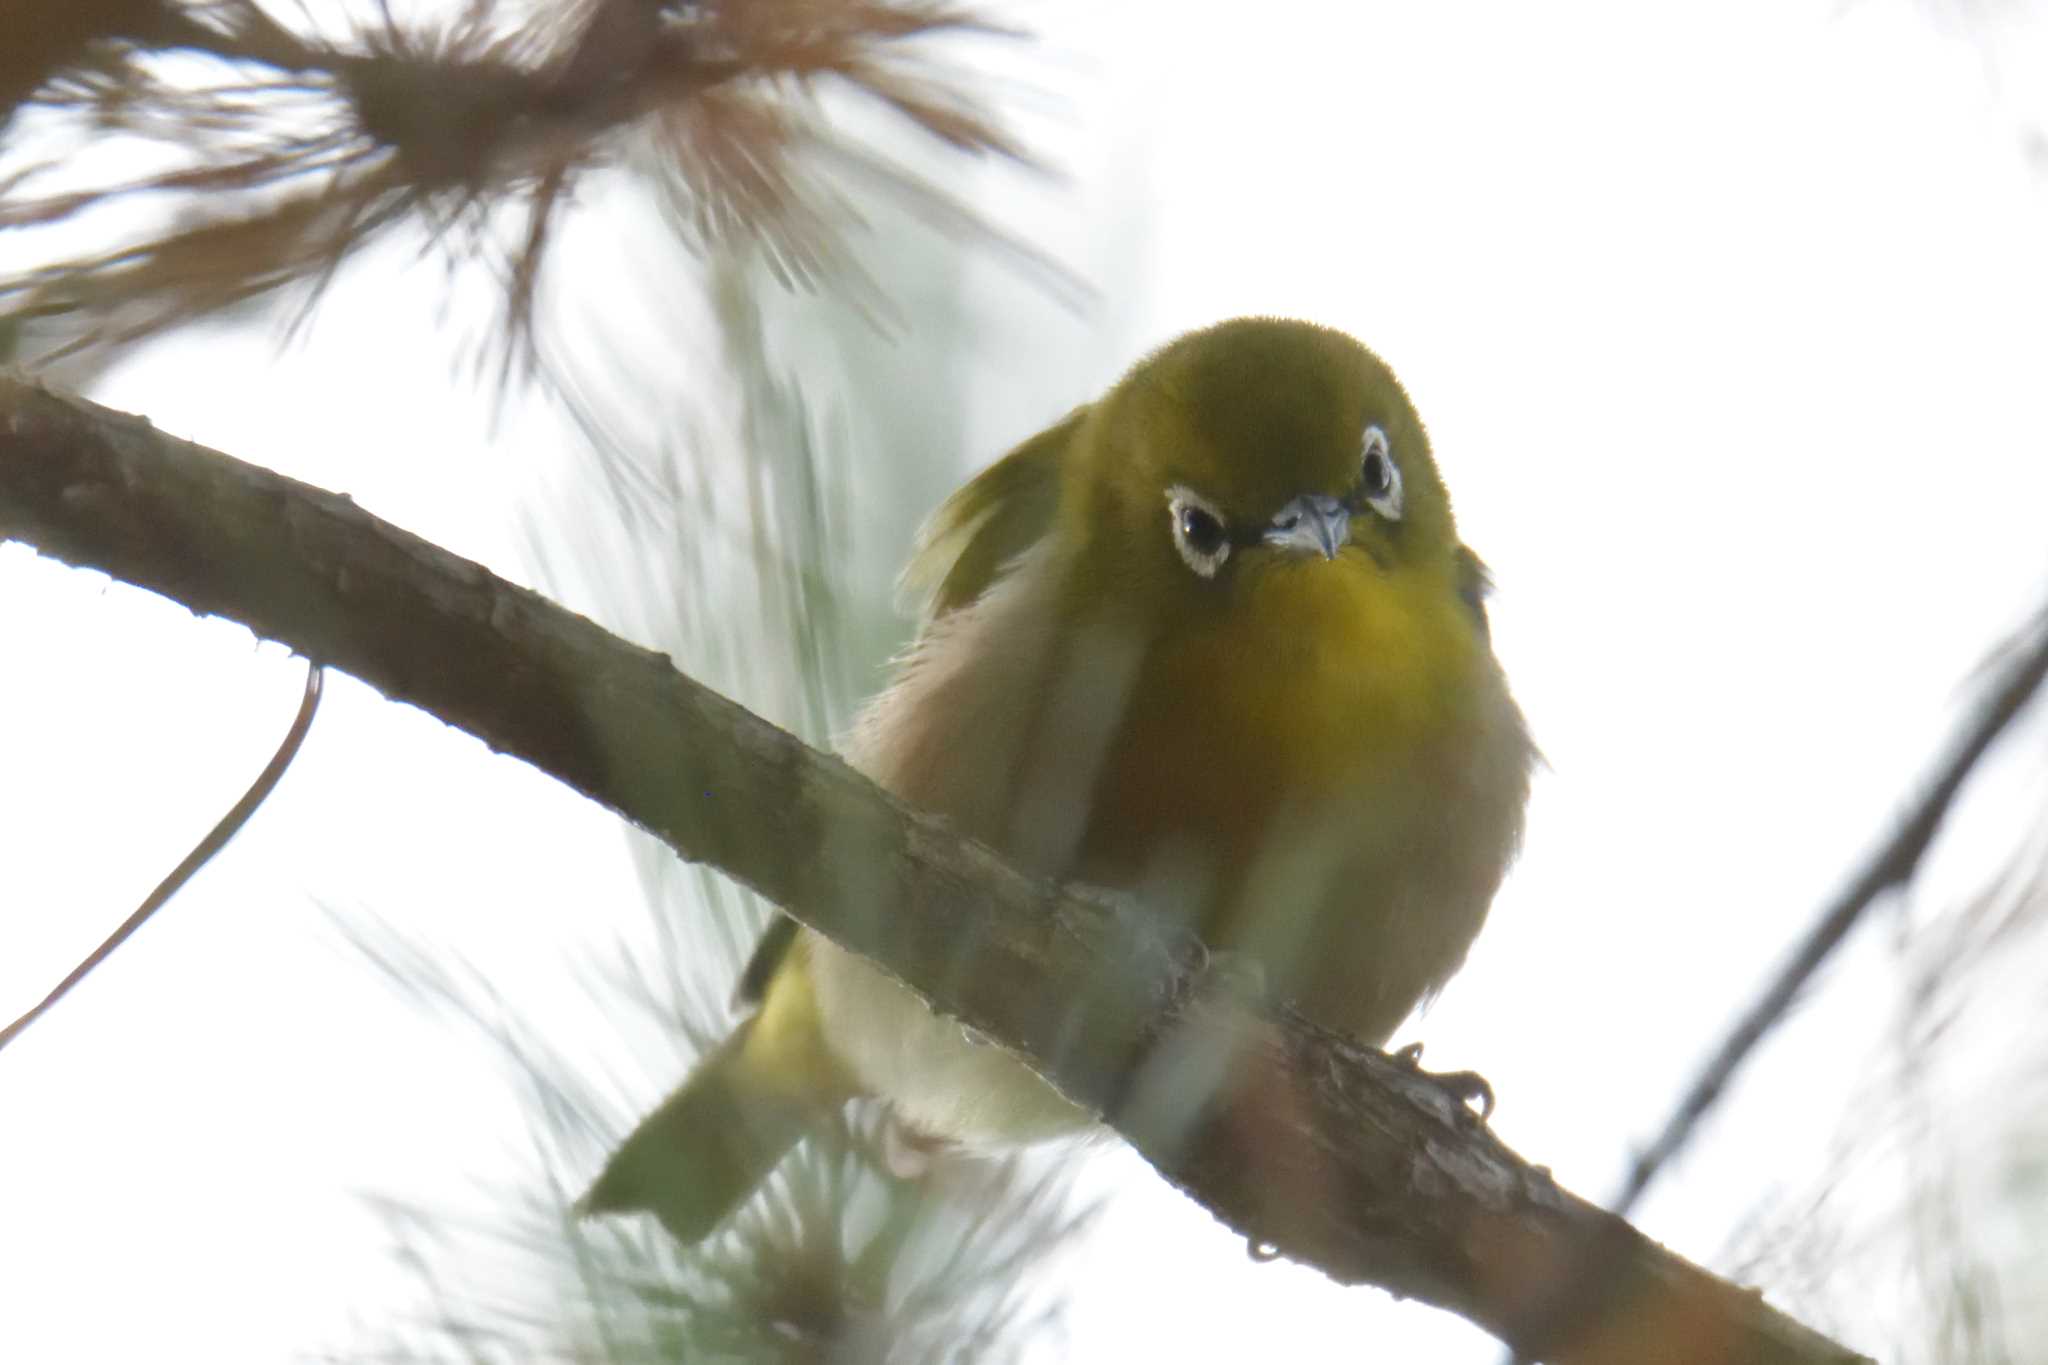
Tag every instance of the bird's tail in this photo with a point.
(696, 1158)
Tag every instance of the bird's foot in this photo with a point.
(1228, 974)
(1465, 1088)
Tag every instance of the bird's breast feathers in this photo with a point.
(1336, 777)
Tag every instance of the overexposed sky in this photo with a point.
(1727, 323)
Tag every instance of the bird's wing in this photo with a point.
(999, 514)
(1475, 585)
(769, 950)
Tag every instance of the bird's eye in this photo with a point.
(1198, 531)
(1202, 532)
(1379, 478)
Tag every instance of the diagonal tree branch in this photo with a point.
(1312, 1147)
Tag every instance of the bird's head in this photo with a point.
(1253, 448)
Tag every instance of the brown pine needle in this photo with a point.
(216, 839)
(293, 151)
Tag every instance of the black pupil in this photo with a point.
(1376, 473)
(1203, 533)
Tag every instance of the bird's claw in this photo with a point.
(1233, 975)
(1465, 1087)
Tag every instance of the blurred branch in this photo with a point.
(1311, 1146)
(2021, 670)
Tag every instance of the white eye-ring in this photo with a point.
(1199, 531)
(1379, 478)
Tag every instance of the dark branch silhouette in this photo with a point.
(1891, 866)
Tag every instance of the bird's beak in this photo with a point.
(1313, 523)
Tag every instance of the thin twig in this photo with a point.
(216, 839)
(1892, 865)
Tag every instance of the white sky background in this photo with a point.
(1727, 321)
